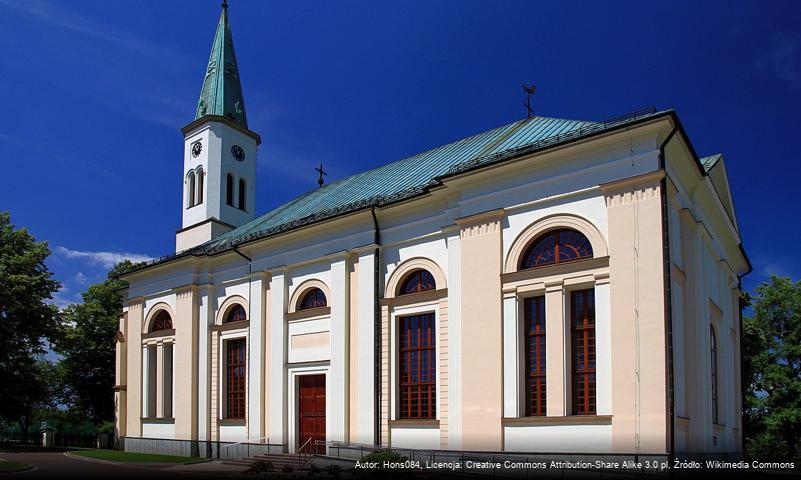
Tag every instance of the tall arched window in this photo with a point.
(235, 314)
(713, 350)
(242, 192)
(199, 195)
(229, 189)
(162, 321)
(418, 281)
(582, 331)
(534, 313)
(556, 246)
(190, 190)
(314, 298)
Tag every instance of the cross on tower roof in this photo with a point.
(321, 180)
(529, 88)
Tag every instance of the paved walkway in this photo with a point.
(58, 465)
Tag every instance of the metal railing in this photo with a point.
(304, 456)
(225, 450)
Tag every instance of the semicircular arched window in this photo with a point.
(418, 281)
(556, 246)
(314, 298)
(235, 314)
(162, 321)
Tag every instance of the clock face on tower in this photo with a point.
(238, 153)
(197, 147)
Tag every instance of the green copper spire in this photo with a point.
(222, 93)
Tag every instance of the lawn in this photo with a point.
(117, 456)
(7, 466)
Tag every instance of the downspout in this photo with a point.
(377, 324)
(667, 265)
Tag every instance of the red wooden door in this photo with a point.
(311, 406)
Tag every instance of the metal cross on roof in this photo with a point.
(529, 88)
(322, 172)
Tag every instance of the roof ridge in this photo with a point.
(413, 174)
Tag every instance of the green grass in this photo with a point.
(8, 466)
(117, 456)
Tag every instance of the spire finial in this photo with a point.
(225, 5)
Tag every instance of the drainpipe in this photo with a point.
(668, 304)
(377, 324)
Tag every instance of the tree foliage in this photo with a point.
(88, 347)
(771, 347)
(26, 320)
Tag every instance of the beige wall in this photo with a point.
(121, 380)
(134, 387)
(637, 310)
(482, 369)
(186, 363)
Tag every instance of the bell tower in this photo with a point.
(219, 174)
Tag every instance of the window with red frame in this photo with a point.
(236, 314)
(534, 312)
(235, 385)
(418, 281)
(557, 246)
(418, 377)
(582, 320)
(163, 321)
(314, 298)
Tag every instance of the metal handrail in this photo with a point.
(300, 450)
(248, 440)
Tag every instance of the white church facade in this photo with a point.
(547, 286)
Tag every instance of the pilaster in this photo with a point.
(481, 331)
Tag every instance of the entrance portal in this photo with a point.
(311, 413)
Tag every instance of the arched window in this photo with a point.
(418, 281)
(190, 190)
(162, 321)
(557, 246)
(242, 192)
(229, 189)
(713, 350)
(314, 298)
(199, 195)
(235, 314)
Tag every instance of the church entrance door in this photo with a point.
(311, 413)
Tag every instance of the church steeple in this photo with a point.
(219, 176)
(221, 94)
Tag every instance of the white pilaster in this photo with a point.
(367, 346)
(511, 355)
(338, 377)
(454, 339)
(603, 348)
(256, 357)
(277, 358)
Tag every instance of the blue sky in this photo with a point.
(95, 93)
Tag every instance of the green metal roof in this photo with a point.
(413, 175)
(222, 92)
(710, 161)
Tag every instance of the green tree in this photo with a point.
(26, 321)
(771, 347)
(88, 348)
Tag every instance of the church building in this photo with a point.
(548, 286)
